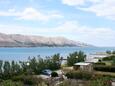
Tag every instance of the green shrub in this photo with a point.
(11, 83)
(109, 58)
(105, 68)
(29, 80)
(86, 75)
(79, 75)
(18, 78)
(99, 63)
(103, 81)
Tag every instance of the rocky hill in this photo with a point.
(17, 40)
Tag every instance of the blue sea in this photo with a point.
(20, 54)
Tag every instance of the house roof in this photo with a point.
(82, 63)
(92, 60)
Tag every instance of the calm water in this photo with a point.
(24, 53)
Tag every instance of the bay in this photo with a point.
(21, 54)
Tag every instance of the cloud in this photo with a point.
(99, 36)
(82, 30)
(71, 29)
(31, 14)
(4, 1)
(73, 2)
(105, 8)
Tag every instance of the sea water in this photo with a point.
(20, 54)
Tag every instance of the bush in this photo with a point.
(29, 80)
(79, 75)
(103, 81)
(86, 75)
(105, 68)
(54, 74)
(99, 63)
(18, 78)
(108, 58)
(11, 83)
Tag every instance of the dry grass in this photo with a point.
(105, 73)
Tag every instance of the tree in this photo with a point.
(7, 69)
(15, 68)
(40, 65)
(56, 60)
(23, 66)
(71, 59)
(33, 65)
(81, 56)
(12, 67)
(75, 57)
(1, 63)
(53, 62)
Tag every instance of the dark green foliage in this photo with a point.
(1, 63)
(22, 81)
(28, 80)
(105, 68)
(103, 81)
(75, 57)
(81, 56)
(113, 61)
(54, 74)
(11, 83)
(113, 52)
(12, 72)
(79, 75)
(99, 63)
(71, 59)
(32, 81)
(37, 65)
(54, 62)
(86, 75)
(18, 78)
(15, 68)
(94, 80)
(7, 70)
(110, 58)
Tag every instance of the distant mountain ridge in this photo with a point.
(17, 40)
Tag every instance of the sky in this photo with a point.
(88, 21)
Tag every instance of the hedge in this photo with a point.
(105, 68)
(79, 75)
(99, 63)
(108, 58)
